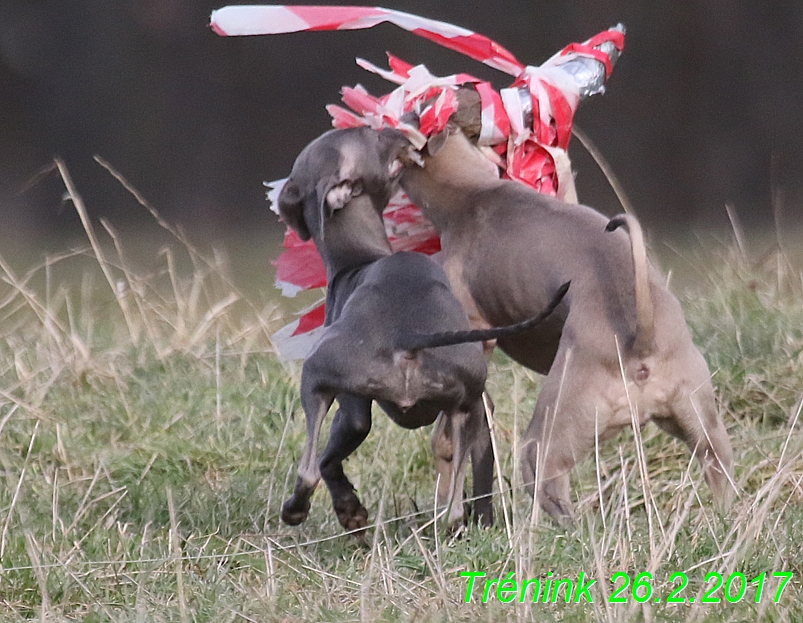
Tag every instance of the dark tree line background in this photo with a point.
(702, 110)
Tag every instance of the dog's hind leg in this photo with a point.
(449, 445)
(443, 455)
(695, 420)
(316, 403)
(457, 436)
(546, 464)
(350, 427)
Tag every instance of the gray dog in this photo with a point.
(617, 349)
(395, 332)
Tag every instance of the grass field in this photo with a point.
(148, 436)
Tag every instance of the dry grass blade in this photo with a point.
(78, 203)
(497, 466)
(795, 419)
(198, 258)
(41, 577)
(649, 502)
(47, 319)
(738, 232)
(15, 499)
(176, 555)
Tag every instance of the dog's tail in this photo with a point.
(418, 341)
(645, 331)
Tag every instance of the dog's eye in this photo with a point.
(356, 189)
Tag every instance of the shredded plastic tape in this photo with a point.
(528, 125)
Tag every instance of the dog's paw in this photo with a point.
(295, 511)
(351, 514)
(560, 512)
(483, 513)
(358, 521)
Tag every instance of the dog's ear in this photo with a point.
(395, 151)
(391, 143)
(334, 192)
(407, 157)
(437, 141)
(291, 209)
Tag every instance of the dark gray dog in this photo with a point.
(396, 333)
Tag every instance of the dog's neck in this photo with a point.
(353, 236)
(441, 187)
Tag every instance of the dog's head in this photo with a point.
(454, 152)
(334, 169)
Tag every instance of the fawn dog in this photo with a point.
(617, 350)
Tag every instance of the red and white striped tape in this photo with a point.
(528, 125)
(276, 19)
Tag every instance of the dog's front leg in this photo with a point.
(316, 403)
(350, 427)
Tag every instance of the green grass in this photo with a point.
(148, 436)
